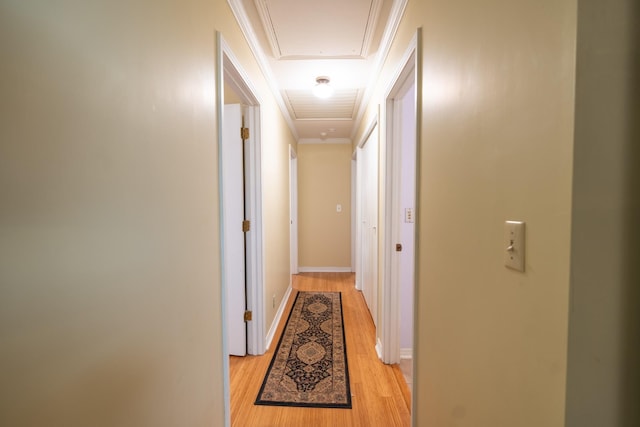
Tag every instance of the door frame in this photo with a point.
(293, 209)
(230, 72)
(410, 68)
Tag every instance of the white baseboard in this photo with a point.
(324, 269)
(276, 319)
(406, 353)
(379, 348)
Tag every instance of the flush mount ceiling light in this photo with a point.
(322, 89)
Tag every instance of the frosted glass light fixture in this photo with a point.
(322, 89)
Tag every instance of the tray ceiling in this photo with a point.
(296, 41)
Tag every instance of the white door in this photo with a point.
(369, 224)
(233, 238)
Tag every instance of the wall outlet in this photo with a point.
(408, 215)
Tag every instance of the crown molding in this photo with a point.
(395, 16)
(272, 38)
(324, 141)
(252, 40)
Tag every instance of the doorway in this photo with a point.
(233, 81)
(401, 154)
(367, 219)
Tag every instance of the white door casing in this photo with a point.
(293, 208)
(396, 111)
(230, 73)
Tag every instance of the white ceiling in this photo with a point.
(296, 41)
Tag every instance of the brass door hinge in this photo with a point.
(244, 133)
(246, 225)
(247, 316)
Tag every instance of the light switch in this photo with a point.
(338, 208)
(514, 245)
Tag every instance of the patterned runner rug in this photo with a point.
(309, 366)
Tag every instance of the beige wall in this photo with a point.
(230, 97)
(275, 169)
(324, 181)
(603, 384)
(109, 252)
(496, 144)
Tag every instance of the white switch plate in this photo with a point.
(514, 245)
(338, 208)
(408, 215)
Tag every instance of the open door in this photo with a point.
(233, 234)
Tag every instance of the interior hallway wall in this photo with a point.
(110, 310)
(497, 144)
(324, 181)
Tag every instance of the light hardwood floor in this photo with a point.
(380, 396)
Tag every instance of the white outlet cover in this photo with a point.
(408, 215)
(513, 245)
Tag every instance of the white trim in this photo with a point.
(390, 313)
(406, 353)
(293, 210)
(415, 369)
(353, 213)
(324, 141)
(324, 269)
(278, 317)
(255, 239)
(357, 220)
(245, 25)
(223, 291)
(379, 349)
(269, 30)
(367, 133)
(395, 16)
(235, 76)
(376, 6)
(265, 18)
(231, 72)
(402, 72)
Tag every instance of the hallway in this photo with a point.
(379, 394)
(111, 276)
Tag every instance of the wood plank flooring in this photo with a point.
(380, 396)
